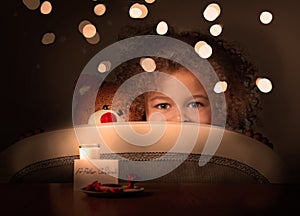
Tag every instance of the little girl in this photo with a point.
(242, 96)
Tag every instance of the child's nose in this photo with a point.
(188, 116)
(186, 119)
(180, 116)
(175, 116)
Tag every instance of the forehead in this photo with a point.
(180, 79)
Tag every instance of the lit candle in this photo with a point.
(89, 151)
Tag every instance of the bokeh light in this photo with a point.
(89, 30)
(94, 40)
(264, 85)
(99, 9)
(84, 89)
(48, 38)
(148, 64)
(31, 4)
(104, 66)
(46, 7)
(198, 45)
(203, 49)
(149, 1)
(212, 11)
(266, 17)
(138, 11)
(162, 28)
(220, 87)
(135, 13)
(82, 24)
(215, 30)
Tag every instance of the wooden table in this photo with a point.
(157, 199)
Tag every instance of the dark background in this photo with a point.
(37, 79)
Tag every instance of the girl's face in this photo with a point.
(183, 100)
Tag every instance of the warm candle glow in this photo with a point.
(89, 151)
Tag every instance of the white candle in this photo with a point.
(89, 151)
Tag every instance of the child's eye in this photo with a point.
(163, 106)
(194, 105)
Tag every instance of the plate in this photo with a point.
(123, 193)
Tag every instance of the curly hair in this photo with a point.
(229, 62)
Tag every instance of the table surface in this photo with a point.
(157, 199)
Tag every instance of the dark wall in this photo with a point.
(37, 86)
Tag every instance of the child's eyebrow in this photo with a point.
(200, 96)
(162, 97)
(159, 97)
